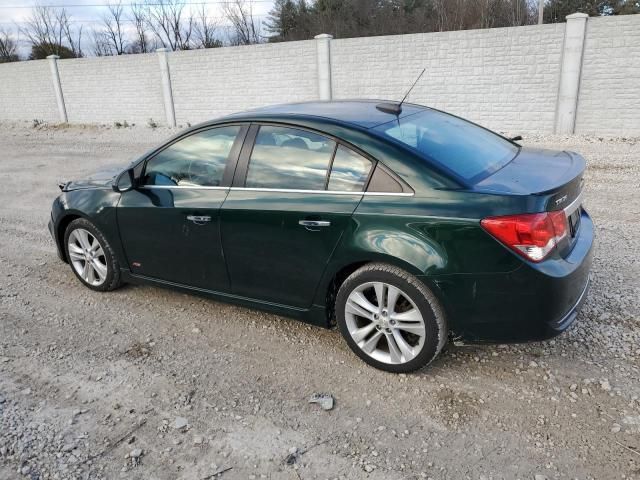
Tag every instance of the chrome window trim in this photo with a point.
(292, 190)
(573, 206)
(282, 190)
(319, 192)
(389, 194)
(182, 187)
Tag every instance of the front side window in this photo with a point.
(198, 160)
(466, 149)
(349, 171)
(289, 158)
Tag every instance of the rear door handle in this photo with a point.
(199, 219)
(313, 225)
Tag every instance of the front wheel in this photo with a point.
(91, 257)
(390, 319)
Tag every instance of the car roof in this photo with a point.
(362, 113)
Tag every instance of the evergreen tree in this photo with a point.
(288, 20)
(557, 10)
(302, 19)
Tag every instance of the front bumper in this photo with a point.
(56, 240)
(533, 303)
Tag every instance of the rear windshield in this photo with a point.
(468, 150)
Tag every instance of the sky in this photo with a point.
(13, 13)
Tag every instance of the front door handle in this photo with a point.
(313, 225)
(199, 219)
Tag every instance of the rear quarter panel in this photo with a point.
(437, 235)
(437, 238)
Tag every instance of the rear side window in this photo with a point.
(289, 158)
(195, 161)
(466, 149)
(349, 171)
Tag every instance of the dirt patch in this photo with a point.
(138, 350)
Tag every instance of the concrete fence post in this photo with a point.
(167, 94)
(57, 87)
(570, 73)
(323, 56)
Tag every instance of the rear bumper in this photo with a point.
(533, 303)
(560, 325)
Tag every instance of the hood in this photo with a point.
(103, 178)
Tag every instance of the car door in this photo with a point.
(169, 224)
(287, 211)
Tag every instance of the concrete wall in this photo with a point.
(26, 91)
(584, 77)
(609, 99)
(209, 83)
(503, 78)
(112, 89)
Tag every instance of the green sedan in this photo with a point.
(403, 225)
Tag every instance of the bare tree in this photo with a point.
(49, 31)
(74, 39)
(245, 29)
(205, 30)
(101, 46)
(170, 23)
(8, 47)
(112, 23)
(508, 13)
(140, 20)
(466, 14)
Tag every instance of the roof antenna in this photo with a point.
(396, 108)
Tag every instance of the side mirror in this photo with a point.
(124, 182)
(516, 138)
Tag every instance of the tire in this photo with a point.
(408, 336)
(80, 239)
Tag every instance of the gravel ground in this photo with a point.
(145, 383)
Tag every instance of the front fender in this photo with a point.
(96, 205)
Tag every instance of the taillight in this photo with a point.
(532, 235)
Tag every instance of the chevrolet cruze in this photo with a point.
(403, 225)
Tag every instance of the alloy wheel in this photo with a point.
(385, 323)
(87, 257)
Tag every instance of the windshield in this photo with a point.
(468, 150)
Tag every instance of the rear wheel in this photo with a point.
(90, 256)
(390, 319)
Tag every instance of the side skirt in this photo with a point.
(314, 316)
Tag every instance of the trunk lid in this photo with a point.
(552, 174)
(554, 178)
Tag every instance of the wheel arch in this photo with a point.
(64, 221)
(98, 206)
(337, 273)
